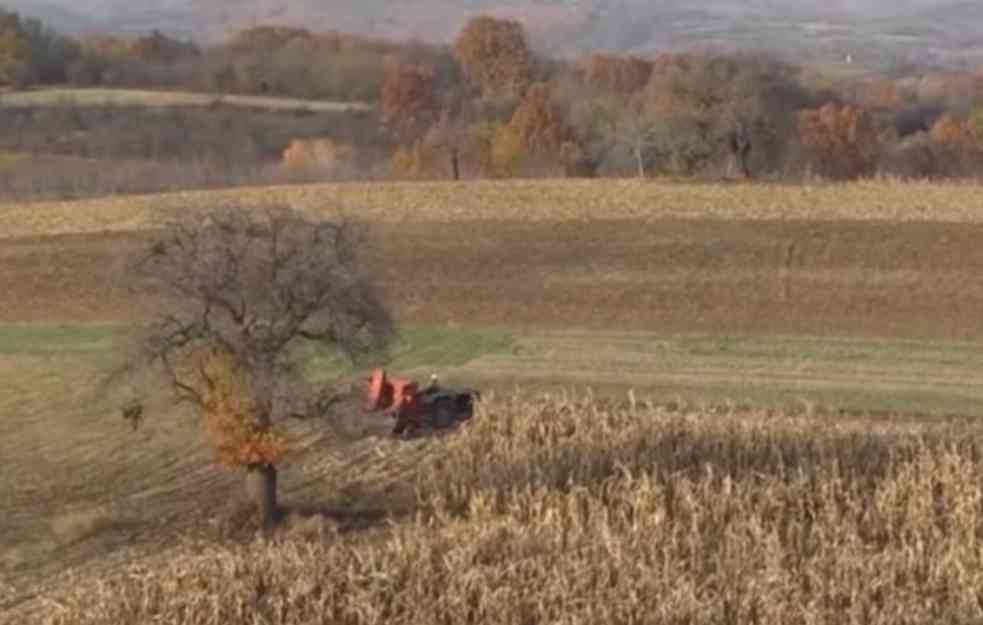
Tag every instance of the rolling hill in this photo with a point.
(934, 30)
(63, 16)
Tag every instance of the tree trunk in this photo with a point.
(741, 163)
(740, 148)
(741, 167)
(261, 478)
(455, 165)
(261, 486)
(640, 161)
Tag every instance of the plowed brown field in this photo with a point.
(799, 277)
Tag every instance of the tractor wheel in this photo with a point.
(404, 425)
(443, 414)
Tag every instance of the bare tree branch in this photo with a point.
(253, 284)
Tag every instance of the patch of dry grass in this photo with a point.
(75, 525)
(560, 510)
(526, 201)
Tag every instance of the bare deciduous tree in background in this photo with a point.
(242, 290)
(630, 128)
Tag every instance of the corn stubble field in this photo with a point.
(547, 508)
(570, 510)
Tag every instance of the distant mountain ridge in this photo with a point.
(56, 14)
(887, 27)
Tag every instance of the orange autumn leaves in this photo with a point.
(493, 109)
(232, 420)
(842, 139)
(494, 57)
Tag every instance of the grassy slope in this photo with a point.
(84, 490)
(801, 374)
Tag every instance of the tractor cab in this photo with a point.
(433, 406)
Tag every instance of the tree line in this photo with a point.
(488, 105)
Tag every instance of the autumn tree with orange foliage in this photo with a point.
(232, 415)
(536, 136)
(957, 145)
(242, 290)
(881, 93)
(418, 160)
(949, 131)
(409, 100)
(841, 140)
(494, 55)
(623, 75)
(974, 125)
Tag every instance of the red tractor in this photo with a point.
(414, 408)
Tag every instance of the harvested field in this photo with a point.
(536, 201)
(715, 301)
(580, 511)
(847, 278)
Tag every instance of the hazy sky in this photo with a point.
(638, 25)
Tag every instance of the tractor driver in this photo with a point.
(432, 385)
(406, 422)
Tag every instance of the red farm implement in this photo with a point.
(413, 408)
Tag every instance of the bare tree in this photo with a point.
(631, 128)
(450, 134)
(740, 142)
(241, 291)
(737, 108)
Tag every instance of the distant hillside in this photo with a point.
(58, 14)
(880, 29)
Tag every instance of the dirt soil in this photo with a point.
(817, 278)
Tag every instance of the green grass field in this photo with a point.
(415, 345)
(932, 378)
(794, 373)
(33, 339)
